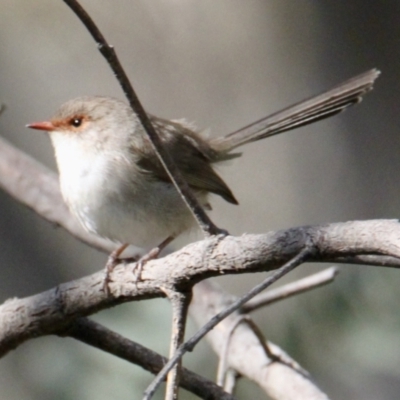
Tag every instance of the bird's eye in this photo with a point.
(76, 122)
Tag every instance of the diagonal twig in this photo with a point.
(98, 336)
(189, 345)
(279, 380)
(223, 365)
(291, 289)
(205, 223)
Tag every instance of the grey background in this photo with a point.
(220, 64)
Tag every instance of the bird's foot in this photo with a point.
(113, 260)
(151, 255)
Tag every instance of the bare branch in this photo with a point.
(50, 311)
(377, 260)
(230, 381)
(291, 289)
(180, 306)
(165, 158)
(279, 380)
(223, 366)
(98, 336)
(216, 319)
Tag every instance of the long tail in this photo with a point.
(303, 113)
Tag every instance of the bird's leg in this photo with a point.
(151, 255)
(112, 261)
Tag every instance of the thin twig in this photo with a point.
(205, 223)
(189, 345)
(230, 381)
(180, 306)
(98, 336)
(270, 354)
(223, 359)
(291, 289)
(262, 340)
(247, 357)
(223, 366)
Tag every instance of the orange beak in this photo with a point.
(42, 126)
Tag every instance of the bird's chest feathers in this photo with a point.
(87, 176)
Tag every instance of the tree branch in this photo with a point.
(50, 311)
(216, 319)
(290, 289)
(98, 336)
(277, 379)
(180, 307)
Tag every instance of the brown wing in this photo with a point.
(192, 155)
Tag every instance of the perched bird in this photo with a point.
(113, 182)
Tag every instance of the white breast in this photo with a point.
(113, 199)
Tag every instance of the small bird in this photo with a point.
(113, 182)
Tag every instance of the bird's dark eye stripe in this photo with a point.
(76, 122)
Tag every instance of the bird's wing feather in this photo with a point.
(192, 156)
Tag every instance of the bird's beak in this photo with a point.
(42, 126)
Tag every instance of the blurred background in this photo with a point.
(220, 64)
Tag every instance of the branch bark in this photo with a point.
(291, 289)
(98, 336)
(216, 319)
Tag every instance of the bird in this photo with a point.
(114, 184)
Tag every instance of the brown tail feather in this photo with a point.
(303, 113)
